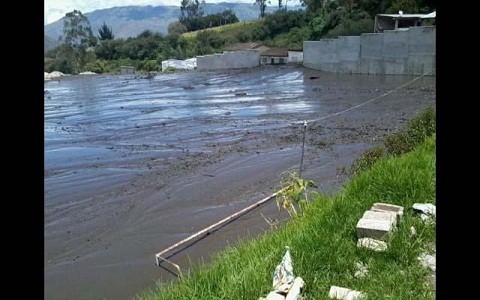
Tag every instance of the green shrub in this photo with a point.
(397, 143)
(368, 159)
(97, 66)
(243, 36)
(170, 70)
(293, 39)
(350, 27)
(316, 26)
(419, 129)
(146, 65)
(63, 65)
(422, 126)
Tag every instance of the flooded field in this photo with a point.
(133, 165)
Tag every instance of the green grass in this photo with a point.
(323, 242)
(231, 29)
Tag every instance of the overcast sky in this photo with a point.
(55, 9)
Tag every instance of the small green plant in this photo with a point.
(293, 192)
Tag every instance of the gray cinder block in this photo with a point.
(381, 215)
(397, 209)
(373, 228)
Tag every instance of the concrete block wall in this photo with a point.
(311, 54)
(229, 60)
(295, 56)
(421, 49)
(402, 52)
(205, 62)
(371, 54)
(348, 52)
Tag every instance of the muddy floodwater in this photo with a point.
(133, 165)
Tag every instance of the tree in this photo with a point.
(77, 32)
(145, 34)
(191, 9)
(314, 5)
(78, 36)
(263, 5)
(191, 12)
(176, 27)
(280, 4)
(105, 33)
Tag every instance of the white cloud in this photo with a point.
(56, 9)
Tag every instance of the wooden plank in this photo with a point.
(159, 256)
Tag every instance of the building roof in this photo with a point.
(259, 46)
(410, 16)
(431, 15)
(277, 52)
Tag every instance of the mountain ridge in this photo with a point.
(129, 21)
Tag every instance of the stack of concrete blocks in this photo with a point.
(401, 52)
(376, 224)
(229, 60)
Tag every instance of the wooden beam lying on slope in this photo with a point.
(159, 256)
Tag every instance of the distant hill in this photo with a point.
(49, 43)
(129, 21)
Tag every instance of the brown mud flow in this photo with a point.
(134, 165)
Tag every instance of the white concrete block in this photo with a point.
(373, 228)
(342, 293)
(381, 215)
(375, 245)
(389, 207)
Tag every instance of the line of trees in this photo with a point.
(193, 18)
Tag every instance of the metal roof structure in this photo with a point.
(400, 20)
(410, 16)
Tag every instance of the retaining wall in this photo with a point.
(229, 60)
(402, 52)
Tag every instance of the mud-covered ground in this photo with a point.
(133, 165)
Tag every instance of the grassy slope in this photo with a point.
(229, 29)
(323, 242)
